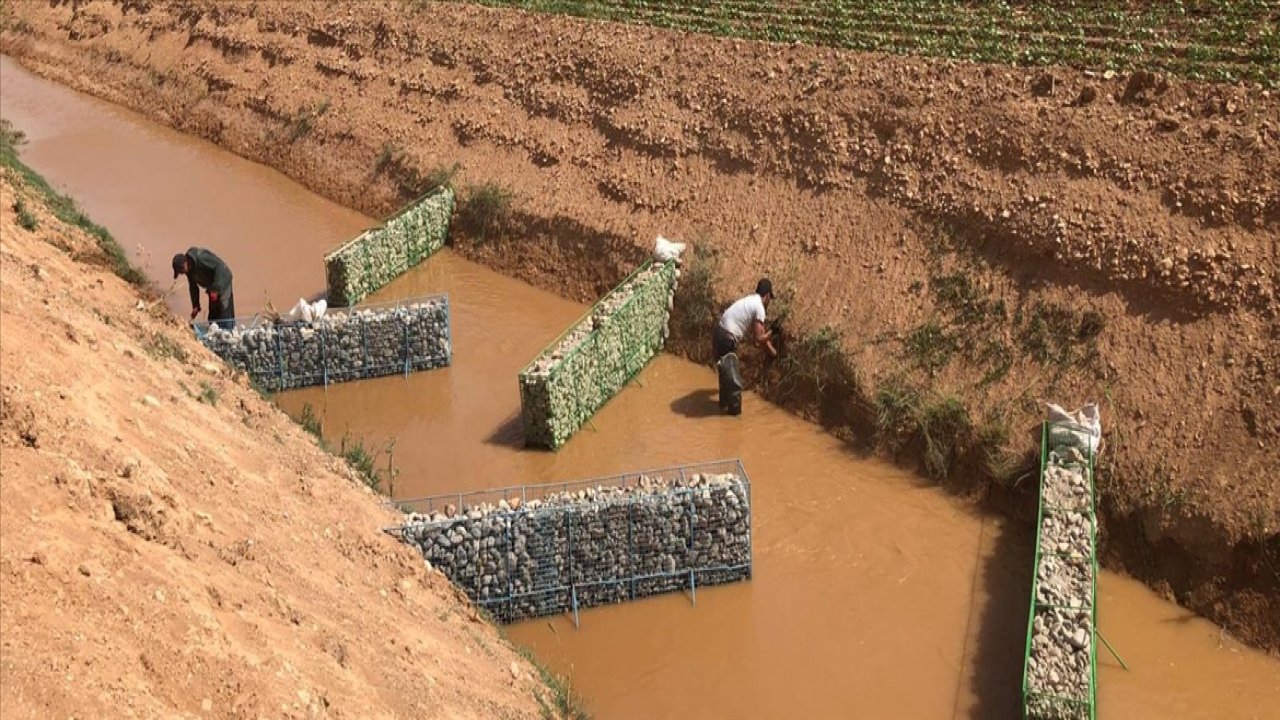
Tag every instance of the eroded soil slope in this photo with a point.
(172, 545)
(975, 236)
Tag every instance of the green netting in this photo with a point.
(584, 367)
(377, 256)
(1064, 583)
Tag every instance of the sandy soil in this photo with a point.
(165, 557)
(1070, 235)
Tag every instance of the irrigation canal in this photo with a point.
(875, 594)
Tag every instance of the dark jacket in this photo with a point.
(208, 272)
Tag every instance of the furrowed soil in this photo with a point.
(971, 238)
(138, 582)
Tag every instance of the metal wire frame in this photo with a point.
(584, 391)
(270, 369)
(566, 585)
(1029, 697)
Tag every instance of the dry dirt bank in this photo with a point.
(174, 546)
(975, 236)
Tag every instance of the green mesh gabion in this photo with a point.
(579, 372)
(366, 263)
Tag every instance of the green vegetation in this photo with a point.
(484, 210)
(361, 457)
(1218, 40)
(64, 208)
(305, 120)
(208, 393)
(564, 703)
(694, 311)
(25, 219)
(161, 347)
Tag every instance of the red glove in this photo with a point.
(213, 296)
(194, 312)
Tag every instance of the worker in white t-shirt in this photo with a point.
(744, 317)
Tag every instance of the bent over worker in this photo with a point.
(206, 270)
(746, 316)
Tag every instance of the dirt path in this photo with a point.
(174, 545)
(981, 234)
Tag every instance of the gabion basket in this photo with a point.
(1059, 679)
(528, 551)
(583, 368)
(367, 341)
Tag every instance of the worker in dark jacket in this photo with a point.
(206, 270)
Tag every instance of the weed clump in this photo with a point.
(485, 210)
(26, 220)
(304, 121)
(208, 394)
(694, 310)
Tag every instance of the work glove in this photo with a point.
(194, 312)
(213, 296)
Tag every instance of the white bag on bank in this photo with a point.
(309, 312)
(1080, 428)
(664, 249)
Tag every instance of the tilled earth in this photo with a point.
(996, 233)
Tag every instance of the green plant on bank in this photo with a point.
(208, 393)
(945, 429)
(361, 457)
(305, 120)
(694, 309)
(813, 362)
(64, 208)
(309, 422)
(930, 347)
(26, 220)
(897, 405)
(485, 210)
(161, 347)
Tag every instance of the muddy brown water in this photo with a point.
(874, 595)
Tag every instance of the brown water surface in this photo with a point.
(874, 595)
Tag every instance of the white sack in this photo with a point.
(309, 312)
(1080, 428)
(664, 249)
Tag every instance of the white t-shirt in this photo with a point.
(740, 315)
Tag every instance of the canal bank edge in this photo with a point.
(127, 457)
(1198, 522)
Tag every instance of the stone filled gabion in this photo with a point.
(1060, 656)
(565, 385)
(602, 544)
(366, 263)
(359, 343)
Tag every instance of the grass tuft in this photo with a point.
(930, 347)
(26, 220)
(208, 393)
(485, 210)
(945, 430)
(694, 309)
(304, 122)
(65, 209)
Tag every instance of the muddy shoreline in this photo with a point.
(602, 156)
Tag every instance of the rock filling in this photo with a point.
(565, 385)
(595, 545)
(1060, 658)
(341, 346)
(376, 257)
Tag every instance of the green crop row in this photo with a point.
(1218, 40)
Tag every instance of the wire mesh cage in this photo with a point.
(367, 262)
(1060, 664)
(367, 341)
(528, 551)
(591, 361)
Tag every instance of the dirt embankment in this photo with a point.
(974, 237)
(174, 545)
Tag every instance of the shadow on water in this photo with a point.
(697, 404)
(998, 622)
(509, 434)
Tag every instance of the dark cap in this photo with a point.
(764, 287)
(179, 264)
